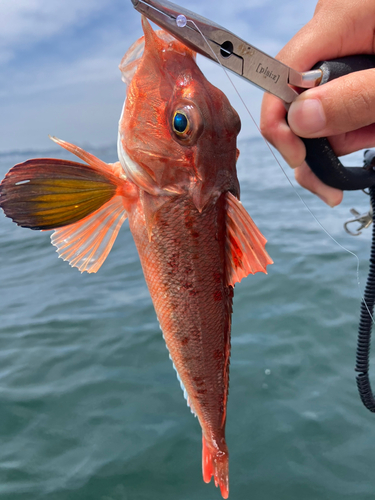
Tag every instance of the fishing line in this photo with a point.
(181, 22)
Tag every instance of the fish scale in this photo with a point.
(185, 270)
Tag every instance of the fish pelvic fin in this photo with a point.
(215, 463)
(85, 204)
(245, 246)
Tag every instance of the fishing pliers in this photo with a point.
(267, 73)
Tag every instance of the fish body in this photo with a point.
(185, 269)
(184, 260)
(176, 182)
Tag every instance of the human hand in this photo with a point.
(343, 109)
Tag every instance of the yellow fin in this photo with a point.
(245, 248)
(49, 193)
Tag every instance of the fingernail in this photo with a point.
(306, 117)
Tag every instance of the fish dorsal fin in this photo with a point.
(87, 243)
(129, 63)
(245, 247)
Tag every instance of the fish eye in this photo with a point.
(186, 122)
(180, 124)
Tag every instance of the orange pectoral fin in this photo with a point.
(87, 243)
(85, 204)
(245, 247)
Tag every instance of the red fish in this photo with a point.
(176, 182)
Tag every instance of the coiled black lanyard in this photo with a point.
(366, 316)
(328, 168)
(333, 173)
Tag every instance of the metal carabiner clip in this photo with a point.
(364, 220)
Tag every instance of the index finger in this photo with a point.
(275, 129)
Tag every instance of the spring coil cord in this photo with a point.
(365, 327)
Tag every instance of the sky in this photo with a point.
(59, 63)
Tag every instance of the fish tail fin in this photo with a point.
(215, 463)
(84, 203)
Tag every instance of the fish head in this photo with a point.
(177, 132)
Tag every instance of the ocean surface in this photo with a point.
(90, 407)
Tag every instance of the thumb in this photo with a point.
(337, 107)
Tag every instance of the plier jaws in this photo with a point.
(226, 48)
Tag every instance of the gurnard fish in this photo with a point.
(176, 182)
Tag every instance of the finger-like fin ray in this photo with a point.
(87, 243)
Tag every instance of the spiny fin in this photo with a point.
(101, 166)
(245, 248)
(87, 243)
(49, 193)
(132, 58)
(215, 463)
(85, 204)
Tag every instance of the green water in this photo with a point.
(90, 407)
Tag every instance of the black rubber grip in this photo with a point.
(343, 66)
(319, 154)
(325, 165)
